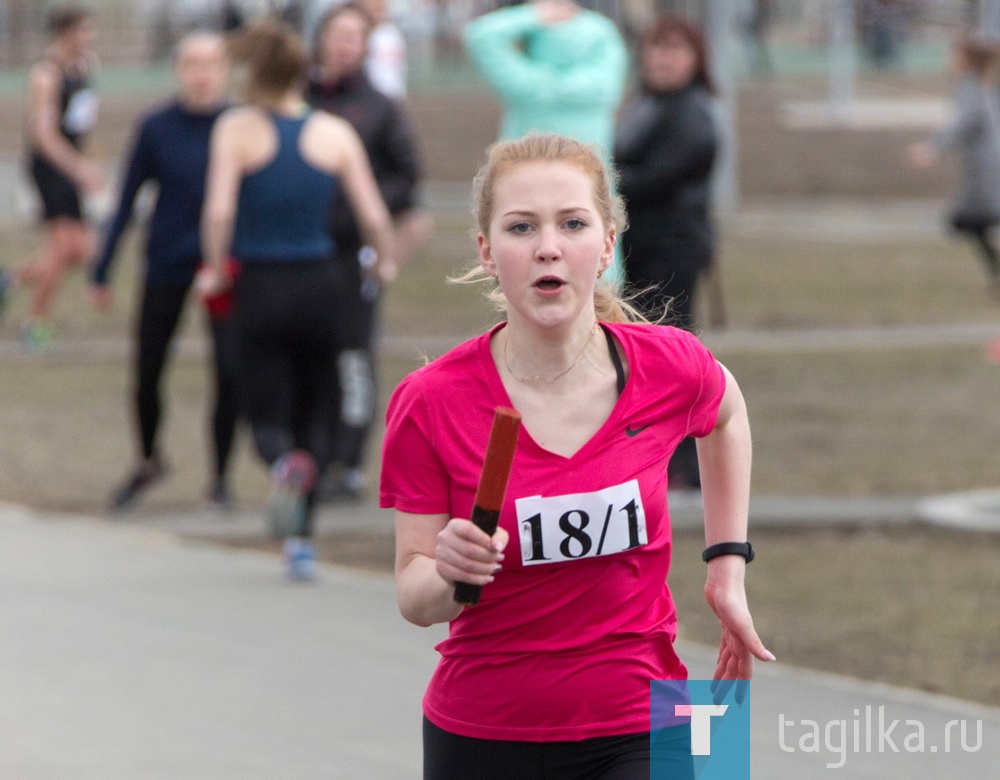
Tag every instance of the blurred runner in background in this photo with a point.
(61, 112)
(275, 170)
(973, 132)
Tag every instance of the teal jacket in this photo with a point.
(564, 78)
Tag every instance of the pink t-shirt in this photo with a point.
(564, 642)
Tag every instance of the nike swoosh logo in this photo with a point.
(629, 431)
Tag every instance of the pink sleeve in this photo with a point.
(712, 386)
(413, 477)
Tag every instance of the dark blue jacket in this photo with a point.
(171, 149)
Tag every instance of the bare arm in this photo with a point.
(724, 458)
(434, 552)
(222, 186)
(44, 133)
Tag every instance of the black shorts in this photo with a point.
(60, 197)
(449, 756)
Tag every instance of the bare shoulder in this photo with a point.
(330, 126)
(44, 74)
(242, 118)
(244, 128)
(329, 141)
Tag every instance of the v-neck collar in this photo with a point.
(612, 423)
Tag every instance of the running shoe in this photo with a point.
(300, 559)
(144, 477)
(36, 336)
(292, 477)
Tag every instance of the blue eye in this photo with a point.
(575, 224)
(519, 227)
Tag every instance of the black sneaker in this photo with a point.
(147, 475)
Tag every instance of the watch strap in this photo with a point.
(745, 549)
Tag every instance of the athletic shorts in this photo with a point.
(449, 756)
(60, 197)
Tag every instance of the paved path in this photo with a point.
(127, 653)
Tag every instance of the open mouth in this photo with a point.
(549, 283)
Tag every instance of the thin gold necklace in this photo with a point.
(539, 377)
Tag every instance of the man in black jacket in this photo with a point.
(338, 84)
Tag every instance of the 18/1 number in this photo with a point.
(577, 542)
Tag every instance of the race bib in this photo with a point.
(581, 525)
(81, 113)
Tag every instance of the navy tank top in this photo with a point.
(283, 212)
(77, 110)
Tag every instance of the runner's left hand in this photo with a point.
(726, 595)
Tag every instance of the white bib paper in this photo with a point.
(81, 113)
(581, 525)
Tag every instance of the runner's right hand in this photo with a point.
(465, 553)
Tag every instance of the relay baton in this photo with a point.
(492, 485)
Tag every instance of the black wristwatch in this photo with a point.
(728, 548)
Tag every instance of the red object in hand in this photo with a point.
(492, 485)
(220, 304)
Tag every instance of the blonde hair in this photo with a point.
(501, 157)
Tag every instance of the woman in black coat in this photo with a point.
(665, 146)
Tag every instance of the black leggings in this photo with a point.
(354, 406)
(162, 305)
(287, 334)
(448, 756)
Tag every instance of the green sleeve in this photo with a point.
(495, 43)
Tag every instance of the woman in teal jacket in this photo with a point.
(556, 68)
